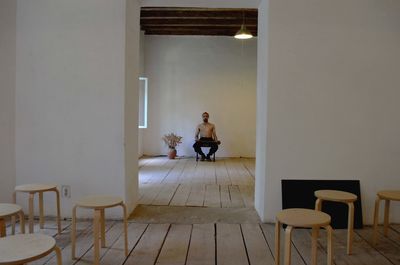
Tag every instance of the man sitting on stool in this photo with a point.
(208, 135)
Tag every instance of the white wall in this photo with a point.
(70, 97)
(333, 90)
(8, 11)
(262, 185)
(132, 69)
(191, 74)
(142, 74)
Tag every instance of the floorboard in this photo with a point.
(202, 245)
(185, 182)
(116, 253)
(147, 250)
(222, 229)
(257, 247)
(363, 252)
(176, 246)
(181, 195)
(215, 244)
(212, 196)
(230, 246)
(386, 246)
(196, 196)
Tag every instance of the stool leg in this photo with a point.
(31, 197)
(386, 218)
(58, 253)
(376, 217)
(96, 235)
(58, 210)
(277, 242)
(318, 204)
(2, 228)
(14, 198)
(102, 229)
(329, 231)
(350, 226)
(13, 225)
(125, 228)
(41, 210)
(73, 233)
(21, 221)
(314, 238)
(288, 244)
(318, 207)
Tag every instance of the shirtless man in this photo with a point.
(206, 131)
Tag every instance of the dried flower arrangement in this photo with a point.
(172, 140)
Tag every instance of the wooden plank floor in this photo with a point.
(224, 191)
(215, 244)
(226, 183)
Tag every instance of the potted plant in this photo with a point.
(172, 141)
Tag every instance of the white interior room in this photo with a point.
(327, 79)
(188, 75)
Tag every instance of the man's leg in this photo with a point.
(213, 149)
(198, 150)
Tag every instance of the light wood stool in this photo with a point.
(20, 249)
(39, 188)
(387, 195)
(344, 197)
(11, 210)
(306, 218)
(98, 204)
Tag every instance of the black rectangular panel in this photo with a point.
(299, 193)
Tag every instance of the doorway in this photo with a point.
(190, 73)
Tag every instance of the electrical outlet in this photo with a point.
(66, 191)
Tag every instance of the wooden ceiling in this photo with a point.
(196, 21)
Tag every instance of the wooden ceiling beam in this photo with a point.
(186, 27)
(198, 14)
(196, 21)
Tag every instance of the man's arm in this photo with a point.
(196, 134)
(214, 134)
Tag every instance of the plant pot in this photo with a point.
(172, 153)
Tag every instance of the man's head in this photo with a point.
(205, 116)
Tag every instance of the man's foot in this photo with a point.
(202, 158)
(208, 158)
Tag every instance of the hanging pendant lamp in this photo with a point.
(243, 33)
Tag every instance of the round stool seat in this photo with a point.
(335, 195)
(20, 249)
(99, 201)
(299, 217)
(393, 195)
(35, 187)
(9, 209)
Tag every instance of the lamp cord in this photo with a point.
(242, 62)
